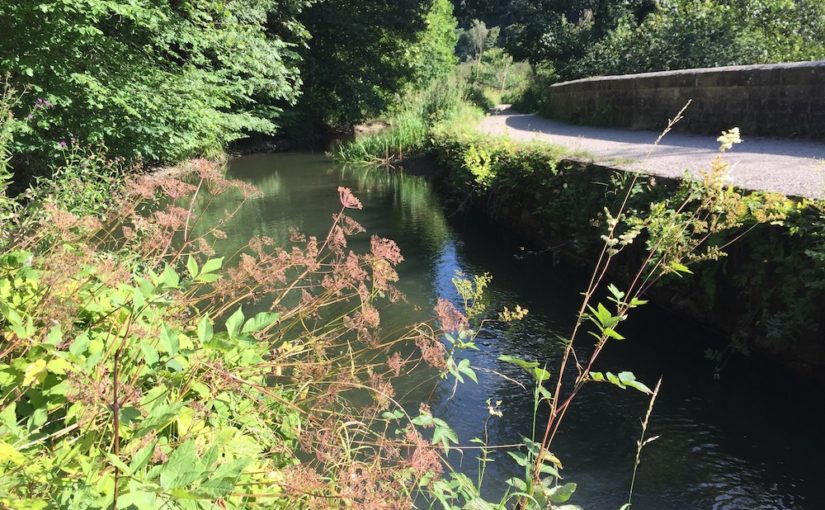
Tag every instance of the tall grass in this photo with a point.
(410, 122)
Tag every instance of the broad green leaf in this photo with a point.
(169, 341)
(628, 379)
(150, 354)
(212, 265)
(205, 330)
(35, 373)
(680, 268)
(526, 365)
(169, 278)
(259, 322)
(561, 493)
(58, 366)
(141, 459)
(234, 323)
(10, 454)
(182, 468)
(612, 333)
(192, 266)
(116, 462)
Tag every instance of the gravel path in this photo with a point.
(793, 167)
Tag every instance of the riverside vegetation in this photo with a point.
(135, 375)
(141, 369)
(648, 236)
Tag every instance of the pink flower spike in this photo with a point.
(348, 200)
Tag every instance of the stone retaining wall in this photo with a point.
(781, 100)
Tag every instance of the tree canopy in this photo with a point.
(151, 80)
(362, 52)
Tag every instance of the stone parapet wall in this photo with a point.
(779, 100)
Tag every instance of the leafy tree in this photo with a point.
(688, 33)
(363, 52)
(151, 80)
(562, 31)
(434, 54)
(473, 42)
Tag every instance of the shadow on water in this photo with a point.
(750, 440)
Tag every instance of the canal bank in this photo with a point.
(760, 282)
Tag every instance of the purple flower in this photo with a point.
(62, 144)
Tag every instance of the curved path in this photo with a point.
(793, 167)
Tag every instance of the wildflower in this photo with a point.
(348, 200)
(296, 236)
(350, 226)
(338, 240)
(493, 409)
(383, 274)
(62, 144)
(432, 351)
(396, 364)
(512, 315)
(386, 249)
(728, 139)
(424, 458)
(449, 317)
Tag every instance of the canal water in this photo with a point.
(749, 439)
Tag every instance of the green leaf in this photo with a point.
(628, 379)
(234, 323)
(182, 468)
(80, 345)
(169, 278)
(150, 354)
(526, 365)
(479, 504)
(192, 266)
(141, 459)
(35, 373)
(612, 333)
(444, 434)
(55, 336)
(58, 366)
(259, 322)
(116, 462)
(205, 330)
(619, 295)
(464, 368)
(561, 493)
(212, 265)
(540, 374)
(169, 341)
(223, 480)
(680, 268)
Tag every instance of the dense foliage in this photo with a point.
(684, 34)
(363, 53)
(150, 80)
(578, 38)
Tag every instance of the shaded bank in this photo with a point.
(765, 292)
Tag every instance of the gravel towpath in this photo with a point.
(792, 167)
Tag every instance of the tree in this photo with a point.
(359, 56)
(434, 54)
(686, 34)
(152, 80)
